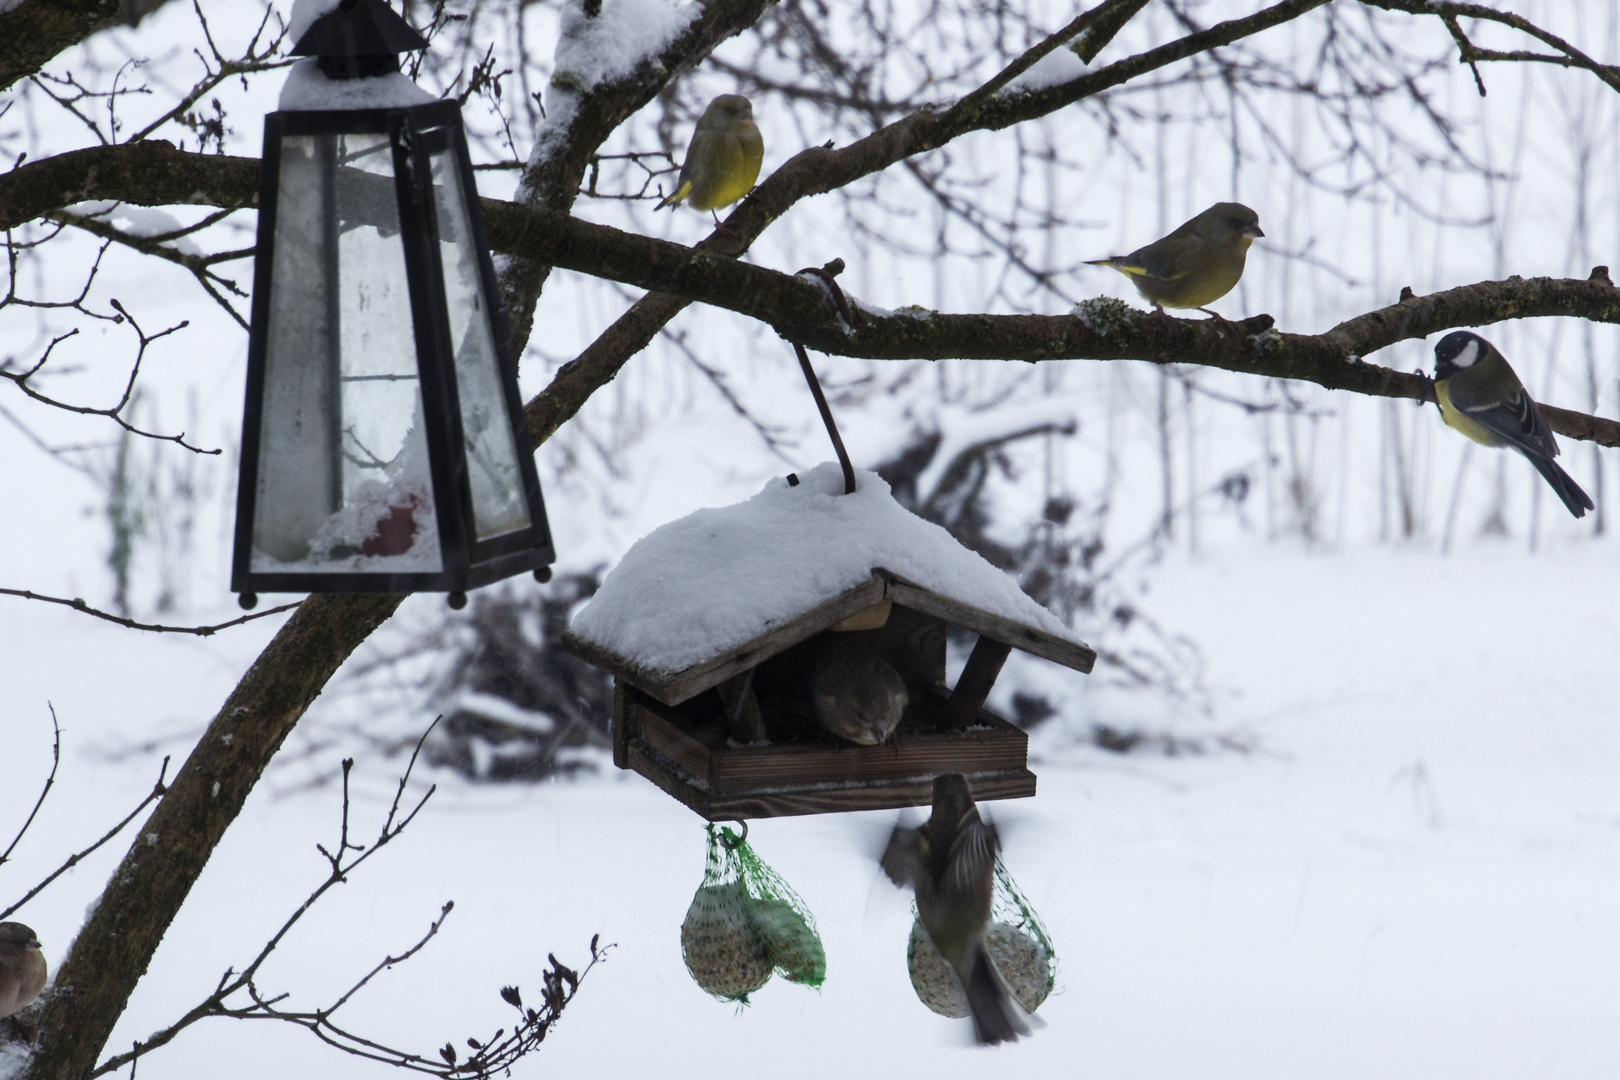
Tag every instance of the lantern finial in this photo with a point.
(359, 38)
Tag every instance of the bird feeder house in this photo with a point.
(712, 625)
(383, 445)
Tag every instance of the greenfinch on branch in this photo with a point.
(1479, 395)
(1195, 265)
(723, 159)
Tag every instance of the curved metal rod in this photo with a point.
(827, 418)
(828, 276)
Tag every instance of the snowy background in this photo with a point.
(1370, 824)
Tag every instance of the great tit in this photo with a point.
(950, 863)
(1197, 264)
(1481, 397)
(857, 696)
(22, 967)
(723, 159)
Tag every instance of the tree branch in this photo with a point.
(1449, 12)
(153, 173)
(798, 309)
(36, 30)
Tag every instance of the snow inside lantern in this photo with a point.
(715, 628)
(383, 446)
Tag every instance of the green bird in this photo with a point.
(723, 159)
(1479, 395)
(949, 864)
(1195, 265)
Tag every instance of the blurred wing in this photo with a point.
(973, 854)
(1516, 421)
(904, 856)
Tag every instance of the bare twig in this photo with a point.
(115, 411)
(199, 266)
(78, 604)
(157, 792)
(218, 68)
(494, 1054)
(56, 761)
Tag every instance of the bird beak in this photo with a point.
(1253, 231)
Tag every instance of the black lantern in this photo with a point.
(384, 447)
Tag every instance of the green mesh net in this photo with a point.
(1016, 941)
(745, 922)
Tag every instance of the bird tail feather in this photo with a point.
(1128, 269)
(676, 196)
(1576, 499)
(996, 1016)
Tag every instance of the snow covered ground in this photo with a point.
(1413, 873)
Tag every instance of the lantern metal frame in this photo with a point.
(415, 132)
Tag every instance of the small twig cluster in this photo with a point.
(239, 995)
(23, 375)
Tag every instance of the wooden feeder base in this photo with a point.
(728, 782)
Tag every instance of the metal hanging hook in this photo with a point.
(826, 275)
(741, 840)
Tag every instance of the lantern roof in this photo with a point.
(358, 28)
(720, 590)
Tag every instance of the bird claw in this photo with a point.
(1428, 390)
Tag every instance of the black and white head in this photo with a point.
(1458, 350)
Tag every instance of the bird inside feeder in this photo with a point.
(787, 655)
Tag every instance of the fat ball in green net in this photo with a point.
(1016, 941)
(746, 922)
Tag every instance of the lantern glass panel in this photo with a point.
(343, 481)
(499, 503)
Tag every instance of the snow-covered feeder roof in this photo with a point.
(718, 591)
